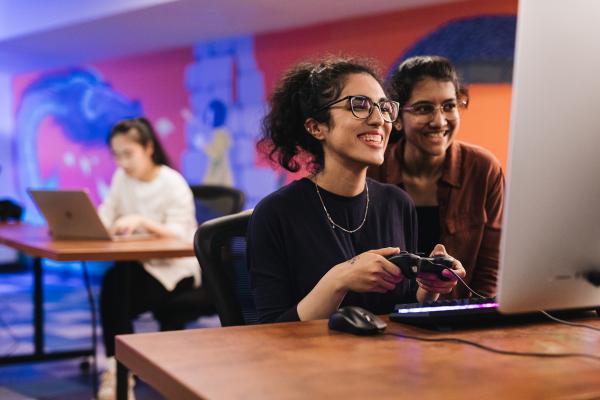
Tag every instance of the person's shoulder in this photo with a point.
(477, 153)
(172, 177)
(282, 198)
(119, 174)
(388, 191)
(478, 156)
(170, 173)
(119, 178)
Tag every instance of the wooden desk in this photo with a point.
(307, 361)
(35, 241)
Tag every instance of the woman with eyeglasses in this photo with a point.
(457, 187)
(322, 241)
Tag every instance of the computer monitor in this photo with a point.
(551, 227)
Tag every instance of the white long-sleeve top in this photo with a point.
(167, 200)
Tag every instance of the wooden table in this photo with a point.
(307, 361)
(35, 241)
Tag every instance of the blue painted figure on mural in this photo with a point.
(227, 98)
(218, 171)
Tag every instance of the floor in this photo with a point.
(68, 326)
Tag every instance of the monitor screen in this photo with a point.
(551, 227)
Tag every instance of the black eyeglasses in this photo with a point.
(362, 107)
(426, 111)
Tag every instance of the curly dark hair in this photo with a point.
(143, 133)
(300, 94)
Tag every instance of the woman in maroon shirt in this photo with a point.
(458, 188)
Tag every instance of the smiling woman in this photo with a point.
(323, 240)
(457, 188)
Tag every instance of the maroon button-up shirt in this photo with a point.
(470, 195)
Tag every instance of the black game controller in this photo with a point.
(411, 264)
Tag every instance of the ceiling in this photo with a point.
(47, 34)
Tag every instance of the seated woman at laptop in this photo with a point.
(457, 187)
(322, 241)
(146, 195)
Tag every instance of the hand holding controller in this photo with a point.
(411, 264)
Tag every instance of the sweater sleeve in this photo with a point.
(180, 216)
(271, 279)
(108, 209)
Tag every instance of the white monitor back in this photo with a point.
(551, 227)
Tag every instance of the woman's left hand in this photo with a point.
(432, 283)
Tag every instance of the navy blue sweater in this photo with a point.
(291, 244)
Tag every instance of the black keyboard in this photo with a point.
(474, 312)
(447, 312)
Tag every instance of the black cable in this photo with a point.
(552, 317)
(491, 349)
(562, 321)
(462, 281)
(88, 287)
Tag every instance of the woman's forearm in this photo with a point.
(324, 298)
(157, 229)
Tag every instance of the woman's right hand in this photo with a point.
(128, 224)
(367, 272)
(371, 271)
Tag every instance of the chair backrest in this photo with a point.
(213, 201)
(220, 246)
(10, 211)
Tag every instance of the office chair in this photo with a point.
(220, 246)
(10, 211)
(214, 201)
(211, 201)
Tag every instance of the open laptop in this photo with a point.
(70, 214)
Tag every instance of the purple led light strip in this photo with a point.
(445, 308)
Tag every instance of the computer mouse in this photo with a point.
(356, 320)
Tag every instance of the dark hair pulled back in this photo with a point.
(142, 131)
(415, 69)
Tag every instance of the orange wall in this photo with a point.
(486, 121)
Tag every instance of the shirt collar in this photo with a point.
(452, 173)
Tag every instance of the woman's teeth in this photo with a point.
(436, 134)
(372, 138)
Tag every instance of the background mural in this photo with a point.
(61, 124)
(227, 96)
(62, 119)
(207, 101)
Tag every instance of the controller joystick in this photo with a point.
(411, 264)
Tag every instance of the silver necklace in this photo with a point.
(332, 222)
